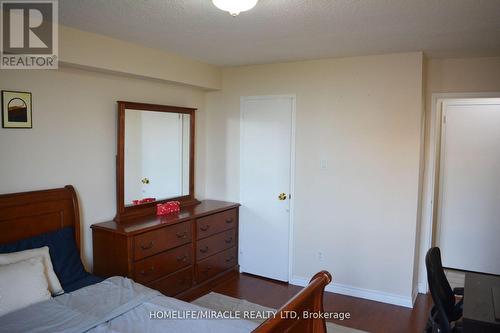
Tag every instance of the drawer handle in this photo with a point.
(230, 259)
(147, 247)
(146, 272)
(204, 250)
(181, 234)
(229, 240)
(207, 270)
(205, 227)
(229, 220)
(182, 258)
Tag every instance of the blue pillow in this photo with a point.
(88, 280)
(63, 253)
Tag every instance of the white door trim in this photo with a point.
(292, 168)
(432, 163)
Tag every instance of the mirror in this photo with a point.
(155, 157)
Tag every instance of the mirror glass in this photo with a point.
(156, 156)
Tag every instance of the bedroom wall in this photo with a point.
(459, 75)
(73, 140)
(84, 49)
(363, 114)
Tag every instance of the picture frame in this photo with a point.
(17, 109)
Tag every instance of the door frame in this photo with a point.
(292, 168)
(432, 166)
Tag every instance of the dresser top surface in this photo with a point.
(139, 225)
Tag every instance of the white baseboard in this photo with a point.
(414, 296)
(373, 295)
(422, 288)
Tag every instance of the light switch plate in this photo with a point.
(323, 164)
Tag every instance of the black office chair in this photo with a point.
(446, 310)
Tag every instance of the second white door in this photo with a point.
(265, 185)
(468, 209)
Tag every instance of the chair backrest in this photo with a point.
(442, 294)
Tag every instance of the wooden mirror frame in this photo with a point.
(130, 212)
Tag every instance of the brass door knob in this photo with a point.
(282, 196)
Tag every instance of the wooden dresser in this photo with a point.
(180, 254)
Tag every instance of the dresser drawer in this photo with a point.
(213, 224)
(214, 244)
(159, 240)
(174, 283)
(216, 264)
(162, 264)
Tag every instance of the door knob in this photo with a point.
(282, 196)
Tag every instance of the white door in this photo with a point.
(265, 185)
(469, 203)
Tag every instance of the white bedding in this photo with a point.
(117, 305)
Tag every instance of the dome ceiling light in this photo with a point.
(234, 7)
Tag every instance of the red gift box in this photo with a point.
(168, 208)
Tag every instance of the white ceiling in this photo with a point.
(285, 30)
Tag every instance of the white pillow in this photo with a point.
(21, 284)
(54, 284)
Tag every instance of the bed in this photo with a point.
(117, 304)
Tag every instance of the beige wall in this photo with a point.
(88, 50)
(73, 140)
(364, 115)
(468, 75)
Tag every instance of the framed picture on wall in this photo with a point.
(16, 109)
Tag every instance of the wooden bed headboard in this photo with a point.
(27, 214)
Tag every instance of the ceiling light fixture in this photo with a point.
(234, 7)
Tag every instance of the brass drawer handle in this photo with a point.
(181, 234)
(204, 250)
(205, 227)
(147, 247)
(229, 240)
(182, 258)
(230, 259)
(229, 220)
(146, 272)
